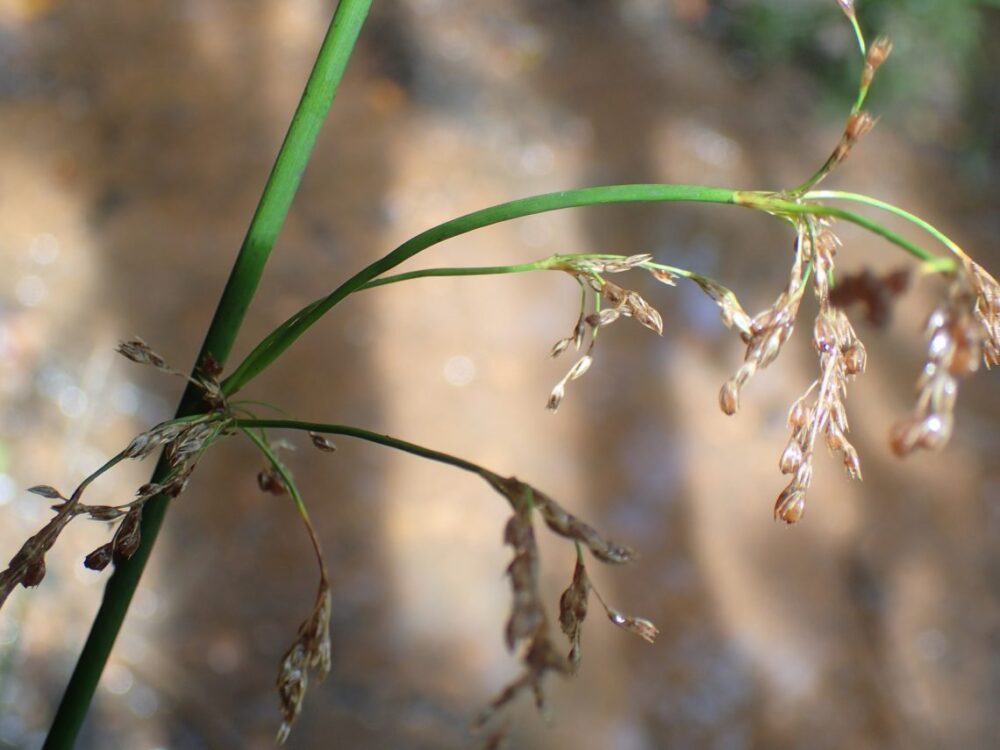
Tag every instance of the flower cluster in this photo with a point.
(527, 625)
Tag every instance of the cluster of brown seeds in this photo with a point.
(184, 442)
(960, 333)
(622, 303)
(309, 651)
(527, 626)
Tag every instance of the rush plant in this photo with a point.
(962, 332)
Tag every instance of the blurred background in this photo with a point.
(136, 140)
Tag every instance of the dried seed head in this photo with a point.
(103, 512)
(127, 538)
(852, 463)
(309, 651)
(270, 481)
(638, 625)
(556, 397)
(46, 491)
(798, 415)
(791, 457)
(878, 52)
(664, 277)
(791, 504)
(858, 125)
(99, 558)
(139, 352)
(729, 397)
(560, 346)
(321, 442)
(567, 525)
(855, 359)
(34, 573)
(573, 611)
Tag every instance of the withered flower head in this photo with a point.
(310, 651)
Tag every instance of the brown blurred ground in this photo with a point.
(136, 140)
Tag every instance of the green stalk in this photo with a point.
(239, 291)
(275, 344)
(773, 203)
(371, 437)
(459, 271)
(876, 203)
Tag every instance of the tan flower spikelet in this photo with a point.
(310, 651)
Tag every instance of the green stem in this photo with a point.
(875, 203)
(777, 205)
(459, 271)
(243, 280)
(285, 335)
(361, 434)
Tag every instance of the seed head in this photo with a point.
(99, 558)
(791, 504)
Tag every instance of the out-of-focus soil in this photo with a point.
(137, 138)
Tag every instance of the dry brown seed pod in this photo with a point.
(560, 346)
(99, 558)
(127, 538)
(664, 277)
(858, 124)
(46, 491)
(556, 397)
(34, 573)
(791, 457)
(878, 52)
(729, 397)
(271, 482)
(322, 443)
(791, 504)
(104, 512)
(642, 627)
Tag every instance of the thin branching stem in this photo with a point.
(275, 344)
(903, 214)
(362, 434)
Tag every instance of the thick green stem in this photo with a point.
(247, 270)
(285, 335)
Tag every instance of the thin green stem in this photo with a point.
(361, 434)
(239, 291)
(875, 203)
(458, 271)
(285, 335)
(777, 205)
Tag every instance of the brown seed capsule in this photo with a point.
(855, 359)
(791, 504)
(791, 458)
(104, 512)
(729, 397)
(852, 463)
(878, 52)
(127, 538)
(99, 558)
(34, 574)
(270, 481)
(322, 443)
(858, 124)
(798, 415)
(46, 491)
